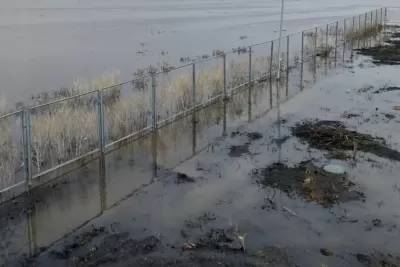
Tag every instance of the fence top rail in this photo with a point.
(194, 62)
(61, 100)
(11, 114)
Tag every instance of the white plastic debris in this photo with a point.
(335, 169)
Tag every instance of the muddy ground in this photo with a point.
(258, 194)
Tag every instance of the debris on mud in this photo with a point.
(378, 260)
(269, 204)
(250, 135)
(230, 239)
(347, 115)
(388, 54)
(389, 116)
(200, 221)
(338, 154)
(326, 252)
(387, 89)
(378, 223)
(184, 178)
(116, 248)
(80, 241)
(310, 182)
(331, 135)
(238, 151)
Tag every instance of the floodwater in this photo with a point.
(138, 193)
(46, 44)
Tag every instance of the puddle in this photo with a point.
(307, 181)
(186, 196)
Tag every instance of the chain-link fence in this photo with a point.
(38, 140)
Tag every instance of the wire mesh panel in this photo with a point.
(310, 41)
(64, 130)
(237, 67)
(209, 79)
(339, 31)
(350, 29)
(281, 55)
(130, 112)
(274, 58)
(261, 61)
(294, 55)
(174, 91)
(11, 150)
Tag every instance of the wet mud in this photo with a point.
(309, 182)
(387, 53)
(333, 135)
(378, 260)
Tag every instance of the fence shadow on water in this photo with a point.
(44, 142)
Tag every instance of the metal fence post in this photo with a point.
(250, 52)
(194, 86)
(287, 53)
(272, 59)
(315, 41)
(326, 35)
(336, 39)
(24, 146)
(153, 101)
(365, 23)
(101, 120)
(224, 73)
(302, 59)
(27, 148)
(372, 19)
(344, 31)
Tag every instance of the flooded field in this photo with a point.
(46, 44)
(240, 183)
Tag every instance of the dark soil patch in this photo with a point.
(378, 223)
(326, 252)
(387, 89)
(221, 239)
(309, 182)
(350, 115)
(384, 54)
(269, 204)
(184, 178)
(250, 135)
(270, 256)
(389, 116)
(333, 135)
(116, 248)
(281, 140)
(378, 260)
(238, 151)
(80, 241)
